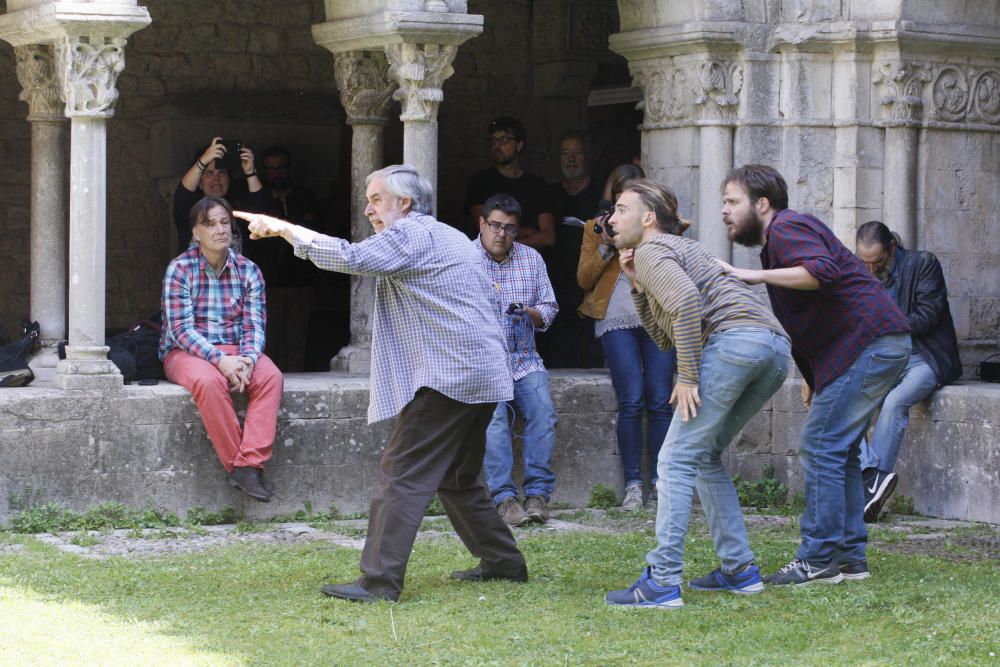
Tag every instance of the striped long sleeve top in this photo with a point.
(687, 297)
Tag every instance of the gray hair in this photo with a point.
(402, 180)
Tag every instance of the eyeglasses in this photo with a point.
(497, 227)
(502, 141)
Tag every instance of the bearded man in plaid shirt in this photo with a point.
(212, 343)
(528, 303)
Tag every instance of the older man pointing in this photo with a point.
(438, 361)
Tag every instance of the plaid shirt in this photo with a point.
(521, 278)
(831, 326)
(201, 310)
(435, 320)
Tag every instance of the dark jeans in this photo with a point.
(643, 377)
(437, 446)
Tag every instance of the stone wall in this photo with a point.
(146, 445)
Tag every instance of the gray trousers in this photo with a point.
(437, 447)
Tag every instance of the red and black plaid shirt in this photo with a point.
(829, 327)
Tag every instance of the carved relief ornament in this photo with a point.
(420, 70)
(37, 75)
(365, 87)
(672, 93)
(88, 70)
(902, 86)
(719, 83)
(969, 95)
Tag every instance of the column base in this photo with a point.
(353, 360)
(43, 364)
(88, 368)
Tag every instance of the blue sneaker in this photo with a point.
(646, 593)
(746, 581)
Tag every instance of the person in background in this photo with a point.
(916, 284)
(642, 373)
(569, 342)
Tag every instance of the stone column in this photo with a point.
(719, 85)
(37, 76)
(420, 70)
(88, 67)
(365, 92)
(902, 86)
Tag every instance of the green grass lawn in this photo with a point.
(261, 605)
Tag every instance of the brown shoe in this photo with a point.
(512, 513)
(537, 507)
(517, 572)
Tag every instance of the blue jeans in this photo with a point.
(740, 370)
(533, 401)
(917, 383)
(643, 377)
(833, 525)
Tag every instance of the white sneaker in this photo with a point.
(633, 498)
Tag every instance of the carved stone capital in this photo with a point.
(902, 84)
(717, 93)
(965, 95)
(666, 91)
(420, 70)
(88, 69)
(365, 86)
(37, 75)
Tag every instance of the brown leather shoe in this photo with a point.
(247, 480)
(512, 513)
(537, 507)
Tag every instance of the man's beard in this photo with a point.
(503, 160)
(750, 232)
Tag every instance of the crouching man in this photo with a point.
(212, 343)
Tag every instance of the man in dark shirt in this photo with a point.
(570, 342)
(506, 141)
(290, 279)
(915, 282)
(851, 343)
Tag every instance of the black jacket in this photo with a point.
(923, 298)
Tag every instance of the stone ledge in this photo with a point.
(146, 445)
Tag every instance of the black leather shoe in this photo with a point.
(353, 592)
(518, 573)
(268, 486)
(247, 480)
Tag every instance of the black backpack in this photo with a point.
(135, 351)
(14, 370)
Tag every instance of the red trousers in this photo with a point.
(236, 446)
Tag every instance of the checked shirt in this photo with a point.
(435, 321)
(521, 278)
(831, 326)
(201, 310)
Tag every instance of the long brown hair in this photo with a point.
(662, 201)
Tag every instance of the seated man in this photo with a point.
(212, 343)
(518, 273)
(916, 283)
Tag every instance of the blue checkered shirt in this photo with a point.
(521, 278)
(435, 321)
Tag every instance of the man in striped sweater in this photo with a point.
(732, 355)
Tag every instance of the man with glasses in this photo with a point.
(526, 303)
(506, 142)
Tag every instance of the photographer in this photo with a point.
(210, 176)
(641, 373)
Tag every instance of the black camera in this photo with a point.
(604, 211)
(231, 160)
(514, 307)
